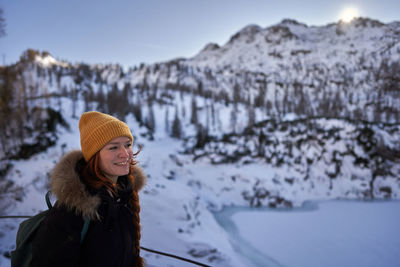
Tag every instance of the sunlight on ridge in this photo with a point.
(348, 14)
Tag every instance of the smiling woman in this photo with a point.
(348, 14)
(99, 183)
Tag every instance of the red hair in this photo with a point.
(94, 178)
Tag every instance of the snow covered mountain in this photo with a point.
(292, 67)
(275, 117)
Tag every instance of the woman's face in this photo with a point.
(115, 157)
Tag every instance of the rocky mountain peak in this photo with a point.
(364, 22)
(292, 22)
(210, 47)
(248, 33)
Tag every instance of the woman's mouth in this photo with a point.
(121, 163)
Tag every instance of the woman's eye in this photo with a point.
(128, 145)
(113, 148)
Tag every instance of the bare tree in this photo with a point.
(234, 118)
(2, 23)
(251, 116)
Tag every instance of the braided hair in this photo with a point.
(136, 218)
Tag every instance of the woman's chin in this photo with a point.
(122, 172)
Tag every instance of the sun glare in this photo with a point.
(348, 14)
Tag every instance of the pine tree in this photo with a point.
(233, 119)
(137, 110)
(113, 100)
(167, 120)
(86, 100)
(74, 98)
(193, 118)
(124, 105)
(201, 136)
(200, 88)
(251, 116)
(213, 119)
(207, 107)
(236, 93)
(176, 131)
(268, 107)
(260, 99)
(101, 99)
(150, 121)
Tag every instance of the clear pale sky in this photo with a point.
(133, 31)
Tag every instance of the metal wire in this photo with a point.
(174, 256)
(14, 217)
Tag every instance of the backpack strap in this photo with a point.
(48, 202)
(85, 229)
(85, 225)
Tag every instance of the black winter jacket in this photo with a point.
(109, 241)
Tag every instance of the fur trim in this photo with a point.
(140, 177)
(70, 191)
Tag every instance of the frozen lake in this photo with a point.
(328, 234)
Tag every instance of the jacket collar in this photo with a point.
(67, 186)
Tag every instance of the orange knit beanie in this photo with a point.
(97, 129)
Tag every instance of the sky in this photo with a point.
(130, 32)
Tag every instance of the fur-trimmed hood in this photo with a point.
(70, 191)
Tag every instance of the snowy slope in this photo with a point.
(181, 194)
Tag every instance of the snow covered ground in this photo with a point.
(179, 203)
(328, 233)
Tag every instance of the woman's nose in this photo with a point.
(124, 152)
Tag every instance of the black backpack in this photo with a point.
(22, 255)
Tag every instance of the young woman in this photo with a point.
(100, 182)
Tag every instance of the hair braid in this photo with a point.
(136, 213)
(136, 225)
